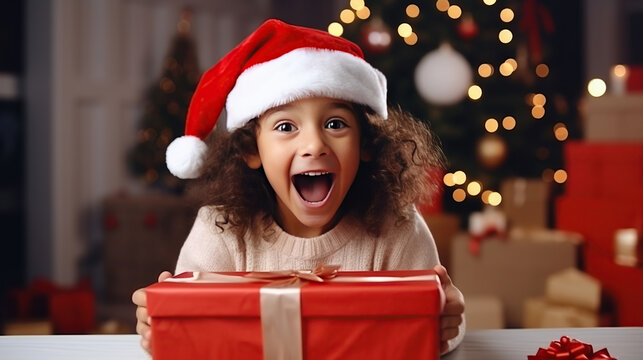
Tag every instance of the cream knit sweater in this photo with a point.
(408, 246)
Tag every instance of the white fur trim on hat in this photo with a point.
(301, 73)
(185, 155)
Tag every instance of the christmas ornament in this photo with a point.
(376, 36)
(491, 151)
(467, 28)
(443, 76)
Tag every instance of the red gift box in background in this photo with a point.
(603, 169)
(69, 310)
(604, 193)
(634, 79)
(392, 320)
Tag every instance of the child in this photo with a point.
(313, 169)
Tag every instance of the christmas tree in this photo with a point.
(477, 71)
(164, 112)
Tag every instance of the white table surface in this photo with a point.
(622, 343)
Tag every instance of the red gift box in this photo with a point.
(623, 285)
(634, 79)
(396, 319)
(604, 169)
(597, 219)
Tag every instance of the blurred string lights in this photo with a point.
(458, 179)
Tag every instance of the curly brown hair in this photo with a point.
(402, 150)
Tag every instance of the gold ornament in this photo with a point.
(491, 151)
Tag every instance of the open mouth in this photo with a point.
(313, 186)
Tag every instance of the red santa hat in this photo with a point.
(275, 65)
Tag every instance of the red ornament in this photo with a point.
(467, 27)
(376, 36)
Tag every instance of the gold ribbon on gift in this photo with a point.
(280, 302)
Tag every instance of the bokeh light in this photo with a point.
(475, 92)
(506, 15)
(347, 16)
(505, 36)
(509, 123)
(560, 176)
(491, 125)
(596, 87)
(459, 177)
(412, 11)
(335, 29)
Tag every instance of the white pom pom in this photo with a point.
(184, 157)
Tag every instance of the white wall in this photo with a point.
(88, 64)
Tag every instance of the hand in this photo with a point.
(452, 314)
(143, 321)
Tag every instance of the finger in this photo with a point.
(453, 308)
(143, 329)
(139, 298)
(164, 275)
(450, 322)
(142, 316)
(442, 273)
(145, 344)
(448, 334)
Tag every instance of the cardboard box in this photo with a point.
(614, 118)
(385, 320)
(574, 288)
(484, 312)
(525, 202)
(541, 313)
(512, 270)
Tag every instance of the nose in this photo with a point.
(313, 144)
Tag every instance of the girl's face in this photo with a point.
(310, 153)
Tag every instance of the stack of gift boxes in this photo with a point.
(603, 201)
(46, 308)
(509, 255)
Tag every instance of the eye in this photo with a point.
(336, 123)
(285, 127)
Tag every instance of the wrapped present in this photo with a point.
(597, 219)
(67, 310)
(628, 247)
(539, 312)
(604, 170)
(613, 118)
(525, 202)
(486, 223)
(511, 269)
(574, 287)
(484, 312)
(392, 314)
(622, 285)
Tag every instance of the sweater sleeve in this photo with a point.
(205, 247)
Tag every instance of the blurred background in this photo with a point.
(538, 105)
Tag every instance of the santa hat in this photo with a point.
(275, 65)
